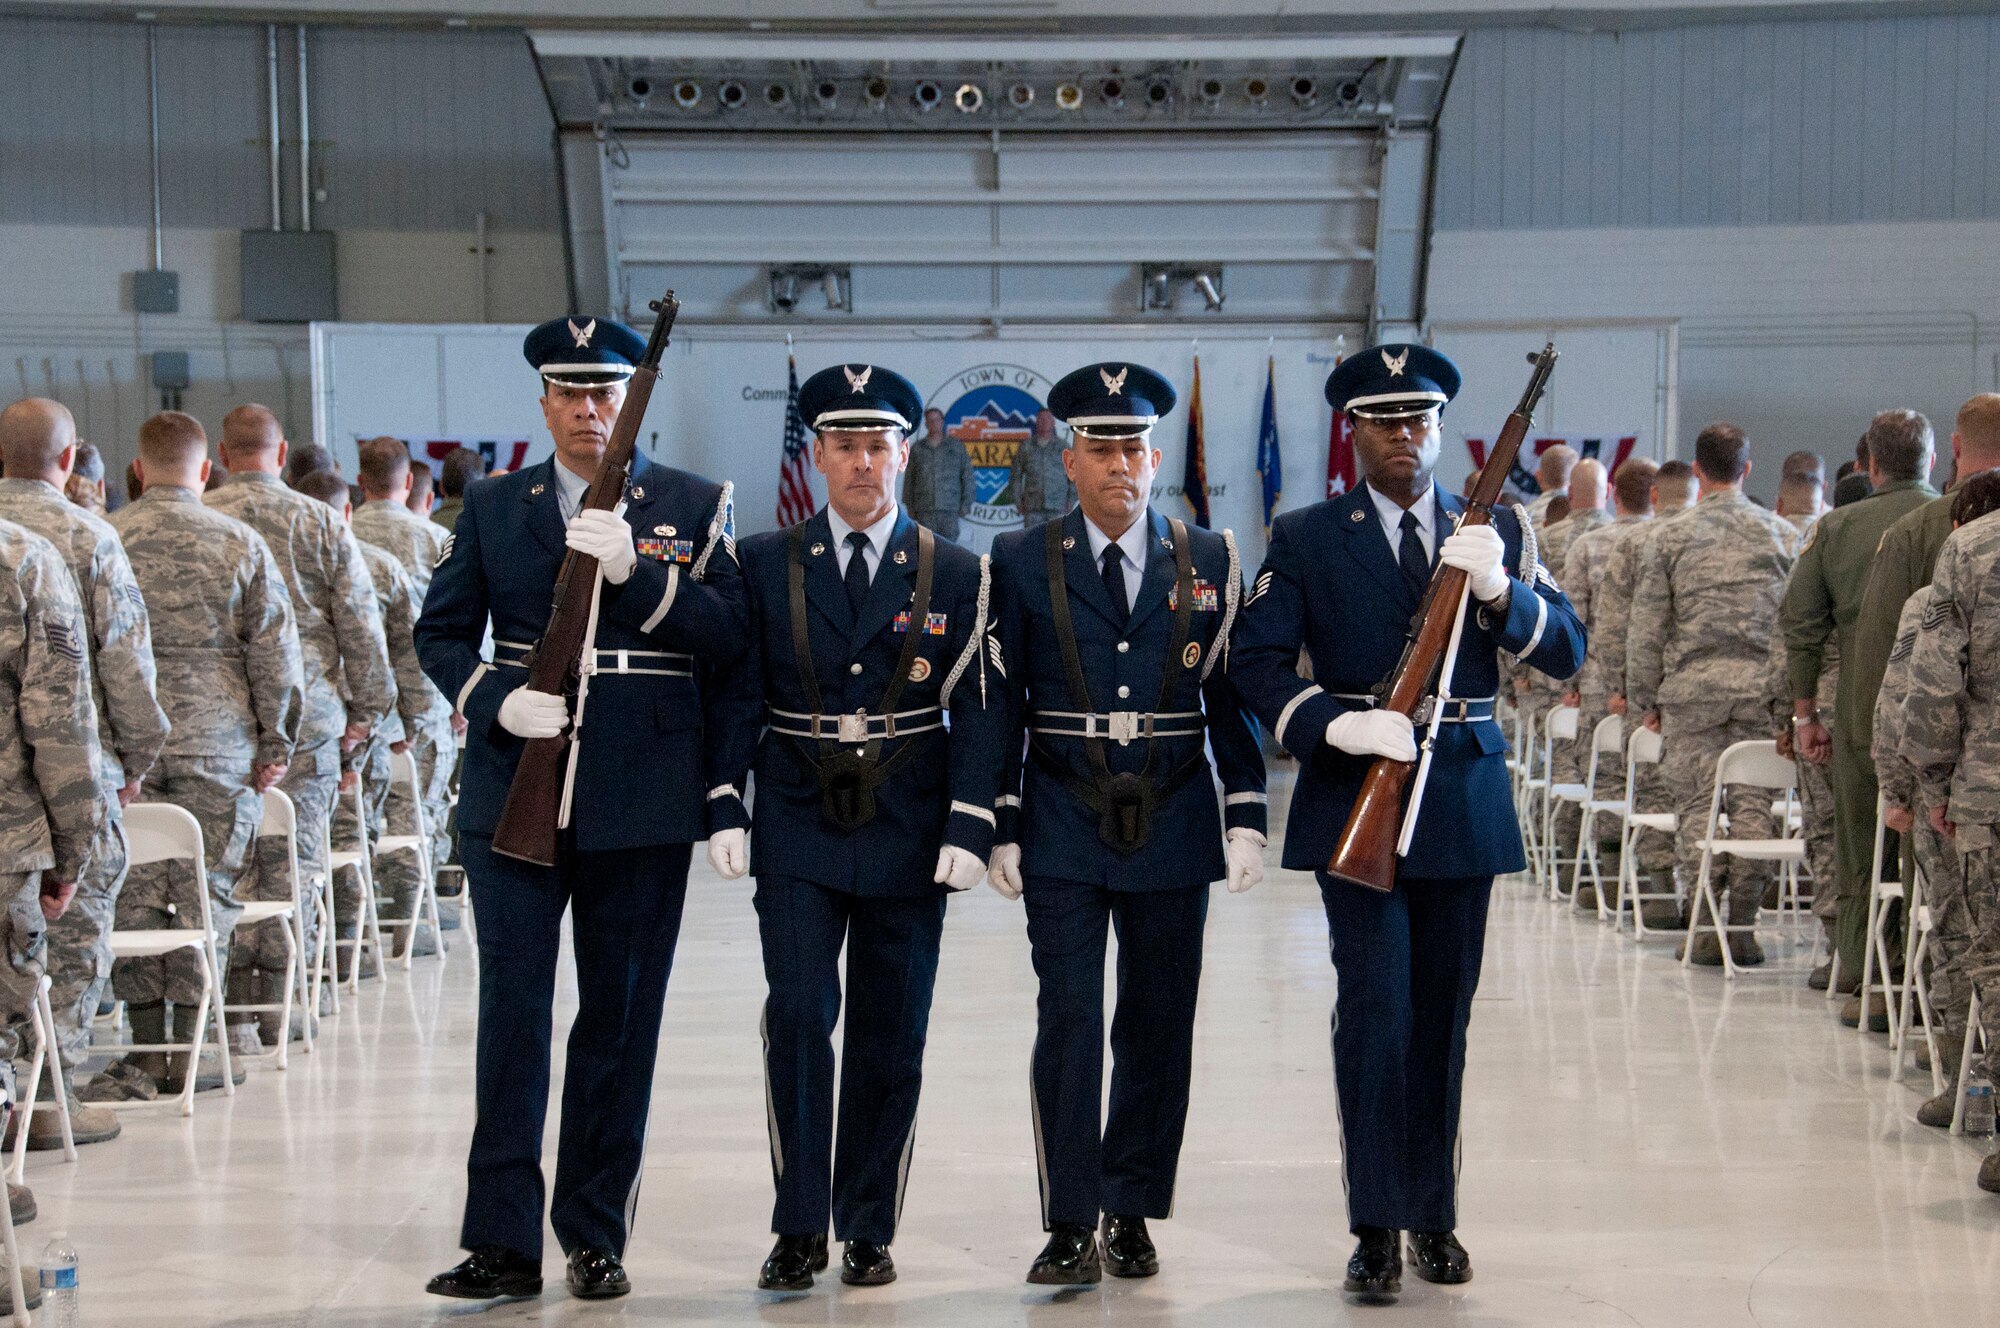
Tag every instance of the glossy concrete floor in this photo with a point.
(1642, 1146)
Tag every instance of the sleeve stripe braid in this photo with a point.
(980, 813)
(973, 648)
(1240, 799)
(666, 600)
(1541, 622)
(1231, 594)
(1285, 715)
(720, 527)
(458, 705)
(723, 791)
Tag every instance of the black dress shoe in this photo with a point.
(792, 1263)
(1436, 1256)
(867, 1264)
(491, 1273)
(1069, 1259)
(1128, 1250)
(1375, 1270)
(596, 1275)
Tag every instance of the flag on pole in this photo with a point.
(795, 497)
(1269, 464)
(1341, 476)
(1194, 477)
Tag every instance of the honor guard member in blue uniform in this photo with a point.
(1343, 579)
(1113, 622)
(866, 631)
(670, 611)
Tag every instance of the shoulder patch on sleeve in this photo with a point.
(63, 637)
(444, 549)
(1941, 608)
(1258, 590)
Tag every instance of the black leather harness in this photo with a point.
(1124, 803)
(849, 775)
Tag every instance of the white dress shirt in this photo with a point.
(570, 489)
(872, 551)
(1133, 542)
(1425, 509)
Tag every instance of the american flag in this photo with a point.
(795, 497)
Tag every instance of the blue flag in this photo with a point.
(1269, 464)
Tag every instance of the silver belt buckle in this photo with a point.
(1124, 726)
(854, 727)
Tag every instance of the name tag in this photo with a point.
(1206, 600)
(666, 550)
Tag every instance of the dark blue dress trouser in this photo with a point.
(892, 960)
(1128, 1166)
(1406, 964)
(625, 908)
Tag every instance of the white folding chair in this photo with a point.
(42, 1028)
(1561, 727)
(281, 818)
(1758, 764)
(1644, 748)
(403, 771)
(1885, 884)
(367, 930)
(1915, 997)
(1607, 739)
(162, 832)
(1974, 1036)
(21, 1317)
(1526, 791)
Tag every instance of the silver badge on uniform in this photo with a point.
(901, 557)
(665, 530)
(537, 490)
(638, 491)
(1357, 516)
(1069, 541)
(817, 550)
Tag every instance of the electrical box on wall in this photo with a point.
(288, 277)
(170, 370)
(156, 292)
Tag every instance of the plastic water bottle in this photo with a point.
(60, 1283)
(1979, 1106)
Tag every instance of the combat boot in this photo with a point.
(1937, 1112)
(1662, 914)
(186, 1030)
(1744, 951)
(1989, 1174)
(1878, 1012)
(1707, 950)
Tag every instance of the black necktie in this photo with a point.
(1416, 567)
(1114, 580)
(857, 570)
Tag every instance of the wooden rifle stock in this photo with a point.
(529, 821)
(1366, 851)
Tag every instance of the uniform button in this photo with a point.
(1124, 692)
(1124, 646)
(855, 669)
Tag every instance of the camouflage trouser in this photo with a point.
(1816, 815)
(1695, 736)
(80, 941)
(1951, 925)
(1978, 871)
(26, 947)
(371, 762)
(398, 875)
(311, 780)
(218, 792)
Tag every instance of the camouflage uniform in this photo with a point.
(130, 728)
(1816, 806)
(937, 487)
(345, 662)
(230, 682)
(423, 719)
(1936, 856)
(50, 810)
(1951, 736)
(1572, 759)
(1610, 632)
(1697, 655)
(1040, 485)
(417, 542)
(1583, 573)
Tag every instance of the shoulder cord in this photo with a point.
(1231, 594)
(976, 644)
(721, 529)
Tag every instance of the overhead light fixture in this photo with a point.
(687, 94)
(1348, 92)
(828, 93)
(834, 284)
(784, 290)
(876, 90)
(1021, 96)
(1159, 91)
(731, 94)
(787, 283)
(1159, 284)
(639, 89)
(1305, 91)
(1211, 92)
(926, 95)
(1112, 90)
(1069, 96)
(1256, 91)
(778, 95)
(969, 98)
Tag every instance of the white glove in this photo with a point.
(605, 537)
(530, 714)
(1481, 554)
(1004, 874)
(728, 855)
(1244, 848)
(1374, 733)
(958, 869)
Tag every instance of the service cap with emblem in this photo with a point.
(1115, 399)
(582, 351)
(1387, 382)
(860, 396)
